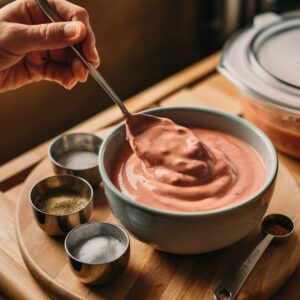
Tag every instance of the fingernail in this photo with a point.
(71, 30)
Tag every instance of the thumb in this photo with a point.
(49, 36)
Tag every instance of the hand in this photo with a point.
(32, 49)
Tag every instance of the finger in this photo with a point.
(52, 71)
(67, 56)
(88, 45)
(64, 55)
(69, 11)
(79, 71)
(27, 38)
(61, 74)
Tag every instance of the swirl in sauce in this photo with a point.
(172, 167)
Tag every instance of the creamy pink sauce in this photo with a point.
(186, 169)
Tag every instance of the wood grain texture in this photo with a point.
(14, 192)
(155, 275)
(188, 97)
(219, 94)
(16, 282)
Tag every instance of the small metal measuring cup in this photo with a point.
(105, 270)
(230, 287)
(75, 144)
(60, 225)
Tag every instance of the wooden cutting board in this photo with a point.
(155, 275)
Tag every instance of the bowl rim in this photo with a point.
(60, 137)
(268, 182)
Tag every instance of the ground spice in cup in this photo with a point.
(61, 204)
(276, 229)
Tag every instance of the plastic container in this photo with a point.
(263, 61)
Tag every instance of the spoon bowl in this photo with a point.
(271, 223)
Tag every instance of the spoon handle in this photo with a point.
(54, 17)
(229, 288)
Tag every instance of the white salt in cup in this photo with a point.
(98, 252)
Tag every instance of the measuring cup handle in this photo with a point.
(229, 288)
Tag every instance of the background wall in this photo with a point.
(140, 43)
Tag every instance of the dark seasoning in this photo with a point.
(277, 227)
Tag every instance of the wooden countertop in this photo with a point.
(199, 85)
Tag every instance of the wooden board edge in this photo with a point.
(55, 287)
(17, 284)
(41, 277)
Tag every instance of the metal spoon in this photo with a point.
(230, 287)
(54, 17)
(133, 121)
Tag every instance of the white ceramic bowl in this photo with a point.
(197, 232)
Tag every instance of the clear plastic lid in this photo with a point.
(275, 50)
(264, 60)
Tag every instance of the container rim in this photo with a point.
(89, 200)
(58, 138)
(89, 224)
(255, 95)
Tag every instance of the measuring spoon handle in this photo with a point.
(229, 288)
